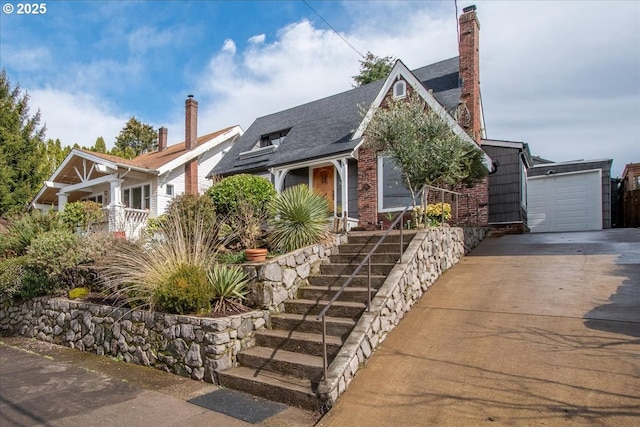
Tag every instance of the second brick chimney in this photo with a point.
(191, 123)
(190, 142)
(470, 109)
(162, 138)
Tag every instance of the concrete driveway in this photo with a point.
(527, 330)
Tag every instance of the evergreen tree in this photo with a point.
(140, 138)
(53, 155)
(99, 146)
(373, 68)
(21, 148)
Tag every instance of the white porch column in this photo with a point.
(279, 176)
(116, 207)
(343, 170)
(63, 198)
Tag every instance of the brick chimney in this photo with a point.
(191, 123)
(470, 110)
(162, 138)
(190, 141)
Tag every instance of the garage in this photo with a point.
(569, 201)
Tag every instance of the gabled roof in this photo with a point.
(154, 160)
(326, 127)
(83, 165)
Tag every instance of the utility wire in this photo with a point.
(334, 30)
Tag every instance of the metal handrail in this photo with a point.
(367, 259)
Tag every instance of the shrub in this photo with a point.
(76, 293)
(434, 213)
(134, 270)
(82, 214)
(231, 257)
(24, 229)
(191, 207)
(185, 291)
(57, 254)
(255, 190)
(11, 272)
(299, 219)
(228, 287)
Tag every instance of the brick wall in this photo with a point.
(367, 187)
(475, 207)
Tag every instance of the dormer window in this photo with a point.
(399, 89)
(273, 139)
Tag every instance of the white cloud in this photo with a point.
(229, 46)
(77, 119)
(147, 38)
(257, 39)
(25, 59)
(554, 74)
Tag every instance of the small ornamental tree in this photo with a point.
(424, 146)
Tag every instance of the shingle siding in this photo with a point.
(505, 186)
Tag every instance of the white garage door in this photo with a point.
(565, 202)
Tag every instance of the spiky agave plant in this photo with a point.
(136, 271)
(228, 284)
(299, 218)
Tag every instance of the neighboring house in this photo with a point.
(132, 190)
(321, 143)
(508, 185)
(569, 196)
(630, 197)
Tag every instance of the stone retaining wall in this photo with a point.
(278, 279)
(430, 253)
(190, 346)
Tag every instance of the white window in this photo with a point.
(399, 89)
(393, 194)
(169, 190)
(137, 197)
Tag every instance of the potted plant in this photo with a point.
(249, 223)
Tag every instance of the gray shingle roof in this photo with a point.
(324, 127)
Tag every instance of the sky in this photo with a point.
(562, 76)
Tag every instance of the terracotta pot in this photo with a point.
(120, 234)
(256, 255)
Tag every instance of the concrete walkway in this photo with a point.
(527, 330)
(49, 385)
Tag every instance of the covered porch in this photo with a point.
(335, 178)
(89, 177)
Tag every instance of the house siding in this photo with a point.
(175, 178)
(207, 162)
(505, 186)
(604, 165)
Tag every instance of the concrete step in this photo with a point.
(298, 342)
(270, 385)
(363, 249)
(393, 237)
(337, 327)
(349, 310)
(325, 293)
(336, 280)
(283, 362)
(347, 269)
(351, 258)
